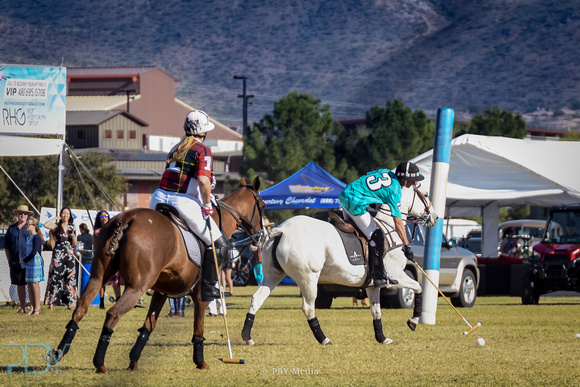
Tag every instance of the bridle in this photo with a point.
(244, 223)
(423, 217)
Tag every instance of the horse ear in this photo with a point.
(242, 182)
(257, 183)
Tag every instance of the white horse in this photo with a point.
(310, 250)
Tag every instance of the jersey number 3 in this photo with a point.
(375, 183)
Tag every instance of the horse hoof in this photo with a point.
(54, 356)
(102, 370)
(133, 366)
(387, 341)
(250, 342)
(412, 323)
(326, 342)
(203, 366)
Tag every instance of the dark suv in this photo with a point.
(555, 263)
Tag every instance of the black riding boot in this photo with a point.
(376, 254)
(209, 276)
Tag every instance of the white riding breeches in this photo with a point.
(189, 208)
(364, 222)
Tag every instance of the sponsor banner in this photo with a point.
(32, 100)
(301, 202)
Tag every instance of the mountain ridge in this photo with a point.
(518, 55)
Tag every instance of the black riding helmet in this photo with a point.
(408, 171)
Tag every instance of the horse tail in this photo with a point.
(275, 232)
(275, 238)
(120, 225)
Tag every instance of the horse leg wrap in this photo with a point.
(198, 350)
(418, 309)
(99, 358)
(315, 326)
(248, 324)
(135, 353)
(379, 335)
(69, 335)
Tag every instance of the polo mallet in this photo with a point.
(231, 360)
(471, 328)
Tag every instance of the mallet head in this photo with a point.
(233, 361)
(472, 328)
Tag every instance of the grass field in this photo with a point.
(525, 345)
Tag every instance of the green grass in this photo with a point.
(525, 345)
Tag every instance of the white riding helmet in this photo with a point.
(197, 122)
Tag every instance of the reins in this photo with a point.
(244, 223)
(426, 204)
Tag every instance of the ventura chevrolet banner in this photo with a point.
(310, 187)
(33, 100)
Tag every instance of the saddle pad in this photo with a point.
(353, 248)
(192, 246)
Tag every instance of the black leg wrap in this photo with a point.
(135, 353)
(418, 309)
(198, 350)
(99, 358)
(315, 326)
(69, 335)
(248, 324)
(379, 335)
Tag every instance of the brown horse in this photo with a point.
(148, 251)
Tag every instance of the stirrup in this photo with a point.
(380, 282)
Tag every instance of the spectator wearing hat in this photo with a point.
(15, 249)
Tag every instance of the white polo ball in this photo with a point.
(480, 341)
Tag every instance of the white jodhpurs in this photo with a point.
(364, 222)
(190, 210)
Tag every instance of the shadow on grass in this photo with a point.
(41, 370)
(540, 304)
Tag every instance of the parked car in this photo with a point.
(555, 263)
(471, 242)
(526, 233)
(458, 277)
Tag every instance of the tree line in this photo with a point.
(299, 129)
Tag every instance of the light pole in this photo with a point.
(245, 102)
(129, 91)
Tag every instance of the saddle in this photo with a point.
(345, 227)
(354, 242)
(192, 243)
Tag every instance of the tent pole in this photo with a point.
(60, 181)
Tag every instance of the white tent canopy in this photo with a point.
(486, 173)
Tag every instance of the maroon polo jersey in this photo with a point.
(197, 161)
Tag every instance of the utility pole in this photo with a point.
(129, 91)
(245, 102)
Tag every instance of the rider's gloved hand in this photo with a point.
(207, 209)
(431, 219)
(408, 253)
